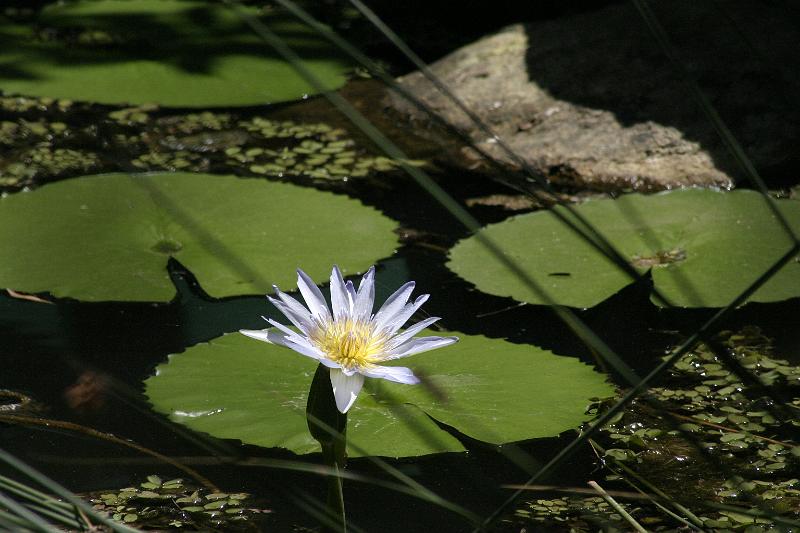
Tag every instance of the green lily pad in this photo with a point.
(109, 237)
(488, 389)
(703, 248)
(174, 53)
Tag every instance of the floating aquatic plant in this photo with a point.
(109, 237)
(348, 338)
(729, 419)
(232, 388)
(702, 248)
(176, 504)
(176, 53)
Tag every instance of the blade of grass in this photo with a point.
(56, 516)
(62, 492)
(755, 513)
(33, 520)
(617, 507)
(13, 523)
(71, 426)
(34, 496)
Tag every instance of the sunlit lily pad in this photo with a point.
(703, 248)
(109, 237)
(489, 389)
(174, 53)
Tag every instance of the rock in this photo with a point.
(592, 102)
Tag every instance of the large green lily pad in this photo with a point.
(174, 53)
(703, 247)
(236, 388)
(109, 237)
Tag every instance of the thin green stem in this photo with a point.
(617, 507)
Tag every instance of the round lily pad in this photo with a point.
(703, 248)
(109, 237)
(174, 53)
(488, 389)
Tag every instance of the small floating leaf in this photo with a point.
(215, 505)
(730, 437)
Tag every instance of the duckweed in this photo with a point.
(45, 133)
(175, 504)
(734, 423)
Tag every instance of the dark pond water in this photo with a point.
(84, 363)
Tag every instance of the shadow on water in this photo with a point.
(751, 80)
(434, 29)
(190, 39)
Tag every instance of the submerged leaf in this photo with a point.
(175, 53)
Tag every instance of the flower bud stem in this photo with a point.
(329, 427)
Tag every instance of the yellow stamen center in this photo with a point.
(352, 344)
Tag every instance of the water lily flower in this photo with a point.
(348, 338)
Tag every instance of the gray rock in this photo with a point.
(591, 101)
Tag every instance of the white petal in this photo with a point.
(345, 388)
(274, 337)
(398, 374)
(330, 364)
(393, 304)
(397, 321)
(340, 300)
(289, 333)
(419, 345)
(351, 292)
(305, 349)
(297, 308)
(313, 296)
(394, 342)
(302, 322)
(260, 334)
(365, 298)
